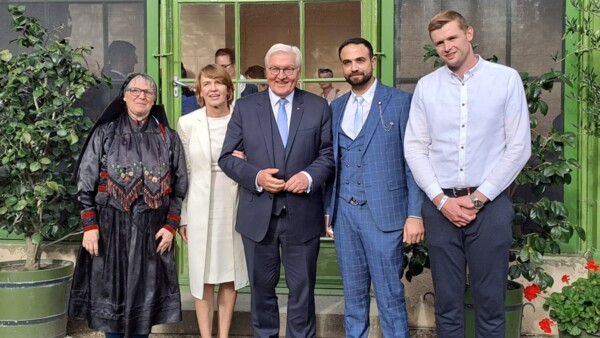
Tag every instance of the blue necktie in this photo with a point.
(358, 116)
(282, 123)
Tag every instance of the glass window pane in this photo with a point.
(204, 29)
(263, 25)
(537, 29)
(97, 24)
(327, 25)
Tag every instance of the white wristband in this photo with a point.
(442, 202)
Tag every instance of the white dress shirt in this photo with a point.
(348, 118)
(472, 132)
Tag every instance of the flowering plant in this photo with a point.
(576, 308)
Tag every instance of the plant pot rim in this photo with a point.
(54, 268)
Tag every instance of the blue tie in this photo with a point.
(358, 116)
(282, 123)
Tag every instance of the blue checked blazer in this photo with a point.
(392, 193)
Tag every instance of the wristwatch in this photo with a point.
(476, 202)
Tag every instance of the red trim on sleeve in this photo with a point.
(174, 217)
(91, 227)
(169, 228)
(88, 214)
(103, 174)
(102, 188)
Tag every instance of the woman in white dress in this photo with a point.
(215, 251)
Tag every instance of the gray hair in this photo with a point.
(134, 76)
(280, 48)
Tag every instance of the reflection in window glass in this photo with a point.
(510, 29)
(99, 24)
(327, 26)
(264, 25)
(204, 29)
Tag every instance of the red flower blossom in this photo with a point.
(565, 279)
(532, 291)
(545, 325)
(591, 265)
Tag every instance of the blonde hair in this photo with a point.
(218, 73)
(440, 19)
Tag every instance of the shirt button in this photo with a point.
(359, 149)
(358, 182)
(347, 166)
(462, 147)
(462, 126)
(463, 104)
(359, 165)
(461, 169)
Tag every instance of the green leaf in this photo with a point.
(25, 137)
(5, 55)
(35, 166)
(21, 204)
(53, 185)
(37, 238)
(45, 161)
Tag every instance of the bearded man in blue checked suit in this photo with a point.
(374, 203)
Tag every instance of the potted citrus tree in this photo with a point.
(576, 308)
(40, 134)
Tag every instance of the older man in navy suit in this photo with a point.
(285, 133)
(375, 205)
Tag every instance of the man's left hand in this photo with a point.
(297, 184)
(414, 231)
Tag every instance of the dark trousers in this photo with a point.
(482, 246)
(264, 259)
(119, 335)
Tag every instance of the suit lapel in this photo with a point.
(264, 112)
(380, 101)
(338, 115)
(203, 134)
(297, 112)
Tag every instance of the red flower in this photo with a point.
(545, 325)
(565, 279)
(532, 291)
(591, 265)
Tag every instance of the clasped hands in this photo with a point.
(296, 184)
(459, 210)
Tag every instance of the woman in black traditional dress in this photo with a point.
(131, 183)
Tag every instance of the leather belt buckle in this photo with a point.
(353, 201)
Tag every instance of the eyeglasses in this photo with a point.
(286, 71)
(137, 92)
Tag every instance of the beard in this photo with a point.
(358, 82)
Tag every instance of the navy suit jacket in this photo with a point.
(391, 191)
(309, 148)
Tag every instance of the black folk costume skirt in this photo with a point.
(129, 287)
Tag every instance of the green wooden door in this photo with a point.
(191, 32)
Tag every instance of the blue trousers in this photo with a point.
(482, 246)
(365, 254)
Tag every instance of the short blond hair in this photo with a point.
(440, 19)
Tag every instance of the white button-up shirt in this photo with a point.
(469, 132)
(348, 118)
